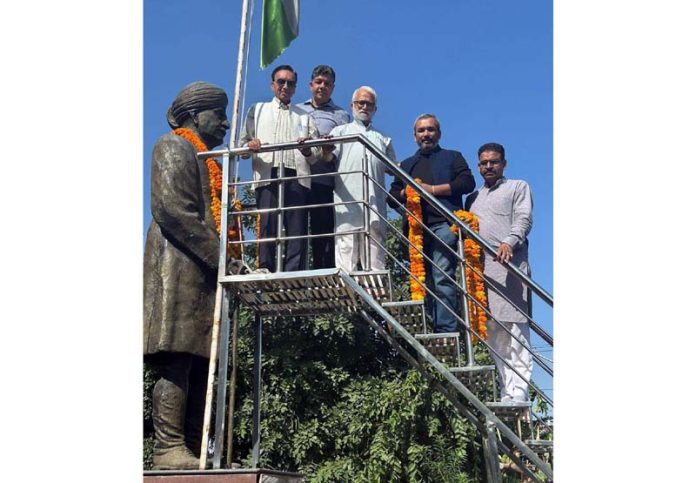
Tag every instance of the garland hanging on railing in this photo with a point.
(474, 283)
(234, 231)
(415, 236)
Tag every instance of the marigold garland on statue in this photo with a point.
(474, 283)
(415, 236)
(234, 231)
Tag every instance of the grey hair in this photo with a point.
(365, 88)
(427, 116)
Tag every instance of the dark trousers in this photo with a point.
(294, 221)
(321, 220)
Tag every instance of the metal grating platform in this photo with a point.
(307, 292)
(444, 346)
(475, 377)
(510, 411)
(410, 314)
(540, 446)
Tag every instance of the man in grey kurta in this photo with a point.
(350, 247)
(180, 271)
(504, 209)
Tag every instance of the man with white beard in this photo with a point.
(350, 247)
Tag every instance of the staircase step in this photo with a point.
(376, 282)
(307, 292)
(444, 346)
(510, 411)
(474, 377)
(410, 314)
(540, 446)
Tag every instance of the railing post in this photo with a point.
(223, 360)
(280, 226)
(465, 303)
(256, 412)
(233, 385)
(490, 453)
(366, 214)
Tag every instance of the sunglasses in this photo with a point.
(283, 82)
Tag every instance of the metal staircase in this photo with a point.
(447, 360)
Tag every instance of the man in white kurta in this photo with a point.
(349, 188)
(504, 209)
(274, 122)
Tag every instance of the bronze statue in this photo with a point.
(180, 271)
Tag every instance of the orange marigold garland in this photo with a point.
(474, 283)
(234, 231)
(415, 236)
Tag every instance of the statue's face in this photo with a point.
(212, 125)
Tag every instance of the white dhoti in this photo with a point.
(513, 354)
(350, 249)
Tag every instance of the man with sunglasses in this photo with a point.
(445, 174)
(327, 116)
(275, 122)
(351, 249)
(504, 209)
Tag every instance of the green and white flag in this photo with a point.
(280, 25)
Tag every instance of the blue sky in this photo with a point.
(484, 68)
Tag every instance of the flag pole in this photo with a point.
(240, 86)
(234, 136)
(241, 57)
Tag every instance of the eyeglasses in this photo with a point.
(493, 162)
(283, 82)
(364, 103)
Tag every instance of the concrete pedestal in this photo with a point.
(222, 476)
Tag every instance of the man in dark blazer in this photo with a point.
(445, 174)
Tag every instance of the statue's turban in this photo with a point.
(195, 97)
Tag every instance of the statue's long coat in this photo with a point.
(181, 252)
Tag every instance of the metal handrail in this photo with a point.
(395, 170)
(540, 362)
(547, 338)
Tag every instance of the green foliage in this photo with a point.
(339, 405)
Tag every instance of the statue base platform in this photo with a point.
(258, 475)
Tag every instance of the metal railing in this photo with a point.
(369, 212)
(393, 169)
